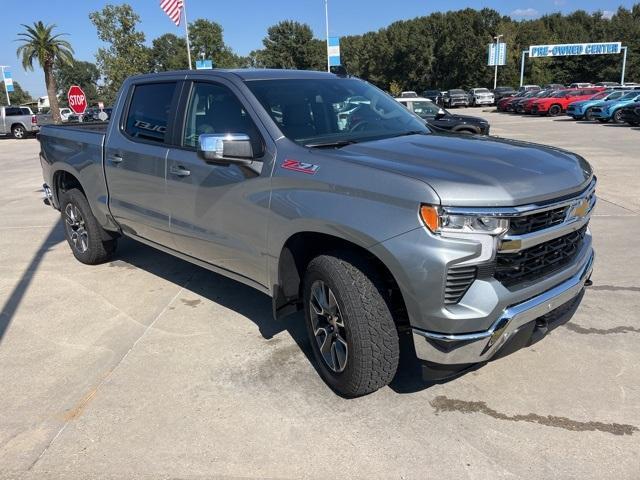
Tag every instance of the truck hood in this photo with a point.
(470, 170)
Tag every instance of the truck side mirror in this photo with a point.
(441, 113)
(225, 148)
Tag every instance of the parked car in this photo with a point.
(17, 121)
(409, 94)
(581, 85)
(501, 92)
(524, 104)
(64, 113)
(553, 86)
(631, 114)
(526, 88)
(501, 105)
(607, 84)
(480, 96)
(434, 95)
(440, 118)
(558, 102)
(455, 98)
(583, 109)
(376, 228)
(610, 110)
(510, 106)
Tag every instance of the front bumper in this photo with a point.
(484, 101)
(481, 346)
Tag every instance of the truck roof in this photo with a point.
(246, 73)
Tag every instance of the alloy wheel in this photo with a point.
(76, 228)
(328, 327)
(18, 132)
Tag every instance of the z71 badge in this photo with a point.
(296, 166)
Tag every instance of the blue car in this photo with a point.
(611, 109)
(583, 109)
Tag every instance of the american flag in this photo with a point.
(173, 8)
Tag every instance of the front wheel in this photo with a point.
(555, 110)
(617, 117)
(350, 325)
(588, 115)
(82, 231)
(18, 132)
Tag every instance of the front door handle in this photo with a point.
(115, 158)
(179, 171)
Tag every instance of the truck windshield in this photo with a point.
(319, 112)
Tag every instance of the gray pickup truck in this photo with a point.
(18, 121)
(372, 224)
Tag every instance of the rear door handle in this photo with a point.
(179, 171)
(115, 158)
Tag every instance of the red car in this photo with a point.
(558, 102)
(502, 103)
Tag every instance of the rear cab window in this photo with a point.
(149, 110)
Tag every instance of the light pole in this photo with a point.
(496, 59)
(6, 90)
(326, 22)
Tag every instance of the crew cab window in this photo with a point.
(149, 109)
(12, 111)
(214, 108)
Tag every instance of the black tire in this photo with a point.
(588, 115)
(617, 117)
(555, 110)
(373, 349)
(634, 124)
(603, 120)
(18, 132)
(89, 242)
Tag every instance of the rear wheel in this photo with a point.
(555, 110)
(18, 132)
(350, 325)
(89, 242)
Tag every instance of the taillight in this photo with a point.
(34, 120)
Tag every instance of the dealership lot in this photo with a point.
(151, 367)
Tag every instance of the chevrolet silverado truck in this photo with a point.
(376, 227)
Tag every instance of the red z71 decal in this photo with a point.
(296, 166)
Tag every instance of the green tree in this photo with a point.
(169, 52)
(206, 37)
(84, 74)
(39, 43)
(126, 54)
(291, 44)
(17, 97)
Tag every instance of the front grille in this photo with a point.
(459, 279)
(538, 261)
(537, 221)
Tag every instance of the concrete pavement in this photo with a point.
(149, 367)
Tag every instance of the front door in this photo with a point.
(219, 212)
(135, 162)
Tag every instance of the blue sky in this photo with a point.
(245, 21)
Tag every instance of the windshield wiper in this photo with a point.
(410, 132)
(331, 144)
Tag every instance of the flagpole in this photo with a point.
(186, 29)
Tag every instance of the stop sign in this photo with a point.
(77, 99)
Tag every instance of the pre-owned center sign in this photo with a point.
(566, 49)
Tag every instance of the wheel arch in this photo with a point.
(300, 248)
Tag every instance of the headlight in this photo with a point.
(440, 222)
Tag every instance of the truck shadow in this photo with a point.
(412, 375)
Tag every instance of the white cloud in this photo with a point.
(525, 13)
(608, 14)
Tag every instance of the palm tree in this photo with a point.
(39, 43)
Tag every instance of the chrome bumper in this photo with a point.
(481, 346)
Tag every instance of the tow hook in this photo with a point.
(588, 283)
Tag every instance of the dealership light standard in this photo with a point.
(495, 76)
(326, 22)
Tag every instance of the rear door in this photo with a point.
(135, 160)
(219, 212)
